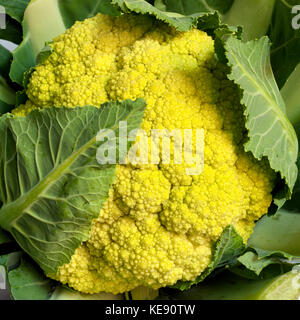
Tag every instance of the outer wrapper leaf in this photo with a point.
(278, 235)
(270, 134)
(49, 202)
(228, 286)
(273, 248)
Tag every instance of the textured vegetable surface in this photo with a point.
(49, 209)
(159, 224)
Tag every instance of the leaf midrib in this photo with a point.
(10, 212)
(271, 101)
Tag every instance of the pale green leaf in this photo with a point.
(270, 134)
(51, 184)
(254, 16)
(42, 22)
(277, 234)
(227, 286)
(251, 261)
(224, 286)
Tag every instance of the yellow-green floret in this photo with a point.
(159, 224)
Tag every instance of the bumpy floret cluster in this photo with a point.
(159, 224)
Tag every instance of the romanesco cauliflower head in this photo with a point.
(159, 224)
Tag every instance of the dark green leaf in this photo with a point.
(4, 107)
(10, 261)
(192, 6)
(78, 10)
(4, 237)
(293, 205)
(179, 21)
(12, 31)
(21, 97)
(27, 282)
(15, 8)
(221, 34)
(5, 60)
(291, 95)
(43, 55)
(285, 49)
(7, 96)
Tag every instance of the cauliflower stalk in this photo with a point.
(159, 224)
